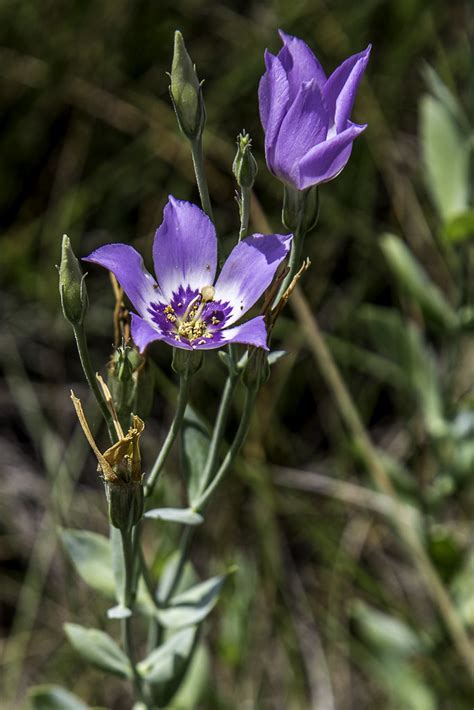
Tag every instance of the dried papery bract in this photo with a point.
(120, 469)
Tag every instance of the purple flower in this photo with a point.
(187, 307)
(308, 134)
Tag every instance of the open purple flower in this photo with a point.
(305, 116)
(187, 307)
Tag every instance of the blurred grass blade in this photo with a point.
(414, 279)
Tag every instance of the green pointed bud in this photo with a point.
(300, 208)
(245, 166)
(257, 370)
(130, 380)
(185, 90)
(186, 362)
(72, 287)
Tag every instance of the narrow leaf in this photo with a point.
(98, 648)
(90, 554)
(53, 697)
(185, 516)
(195, 442)
(445, 156)
(164, 662)
(192, 606)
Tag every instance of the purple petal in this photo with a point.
(273, 96)
(127, 266)
(299, 63)
(304, 126)
(185, 248)
(143, 333)
(326, 160)
(341, 87)
(249, 270)
(253, 332)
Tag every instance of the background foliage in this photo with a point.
(326, 606)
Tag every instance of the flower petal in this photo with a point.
(127, 266)
(300, 64)
(142, 332)
(253, 332)
(304, 126)
(249, 270)
(341, 87)
(185, 248)
(326, 160)
(273, 96)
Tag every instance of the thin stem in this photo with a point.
(126, 626)
(381, 479)
(198, 162)
(171, 436)
(293, 264)
(218, 432)
(233, 450)
(245, 198)
(83, 351)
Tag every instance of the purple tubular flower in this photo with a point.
(187, 307)
(308, 134)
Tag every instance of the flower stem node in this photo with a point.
(257, 370)
(300, 209)
(245, 166)
(185, 91)
(72, 287)
(186, 362)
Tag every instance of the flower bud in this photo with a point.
(245, 166)
(257, 370)
(186, 362)
(185, 90)
(122, 380)
(72, 288)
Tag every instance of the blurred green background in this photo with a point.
(327, 609)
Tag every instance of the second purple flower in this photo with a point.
(305, 116)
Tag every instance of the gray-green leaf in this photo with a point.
(195, 442)
(445, 156)
(185, 516)
(53, 697)
(90, 554)
(98, 648)
(192, 606)
(162, 665)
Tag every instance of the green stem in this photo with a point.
(126, 624)
(245, 198)
(233, 450)
(218, 432)
(293, 264)
(171, 436)
(83, 351)
(198, 162)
